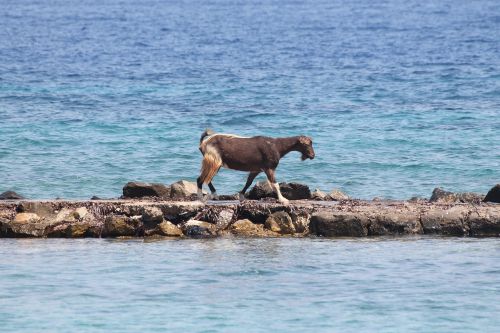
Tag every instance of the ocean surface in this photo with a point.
(399, 96)
(250, 285)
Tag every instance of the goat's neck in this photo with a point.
(286, 145)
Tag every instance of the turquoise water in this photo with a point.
(250, 285)
(399, 96)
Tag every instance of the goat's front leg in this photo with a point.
(251, 177)
(275, 186)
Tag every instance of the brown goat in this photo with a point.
(255, 154)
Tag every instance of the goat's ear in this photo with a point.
(305, 140)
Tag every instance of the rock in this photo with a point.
(42, 209)
(337, 195)
(246, 228)
(152, 215)
(95, 197)
(319, 195)
(10, 195)
(26, 218)
(395, 223)
(220, 217)
(182, 190)
(493, 194)
(300, 221)
(167, 228)
(24, 225)
(339, 224)
(80, 213)
(291, 191)
(485, 222)
(199, 229)
(255, 213)
(280, 222)
(262, 190)
(295, 191)
(119, 225)
(140, 190)
(450, 222)
(79, 230)
(441, 196)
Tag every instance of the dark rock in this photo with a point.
(449, 222)
(152, 215)
(339, 224)
(94, 197)
(255, 213)
(10, 195)
(262, 190)
(485, 222)
(493, 194)
(221, 217)
(295, 191)
(441, 196)
(395, 223)
(291, 191)
(141, 190)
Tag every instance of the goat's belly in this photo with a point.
(241, 166)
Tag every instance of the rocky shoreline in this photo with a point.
(250, 218)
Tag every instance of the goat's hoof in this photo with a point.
(213, 196)
(284, 201)
(241, 196)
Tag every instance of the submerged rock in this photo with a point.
(10, 195)
(141, 190)
(493, 194)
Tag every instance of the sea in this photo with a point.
(399, 97)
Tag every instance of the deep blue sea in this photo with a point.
(250, 285)
(399, 96)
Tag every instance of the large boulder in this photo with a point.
(291, 191)
(121, 225)
(168, 229)
(339, 224)
(141, 190)
(493, 194)
(441, 196)
(10, 195)
(24, 225)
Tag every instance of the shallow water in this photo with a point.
(399, 96)
(250, 285)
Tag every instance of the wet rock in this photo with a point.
(246, 228)
(337, 195)
(339, 224)
(395, 223)
(295, 191)
(183, 190)
(10, 195)
(167, 228)
(485, 222)
(450, 222)
(141, 190)
(199, 229)
(493, 194)
(280, 222)
(319, 195)
(120, 225)
(441, 196)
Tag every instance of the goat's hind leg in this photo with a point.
(250, 179)
(213, 195)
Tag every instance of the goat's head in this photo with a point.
(305, 147)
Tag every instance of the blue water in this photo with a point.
(399, 96)
(250, 285)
